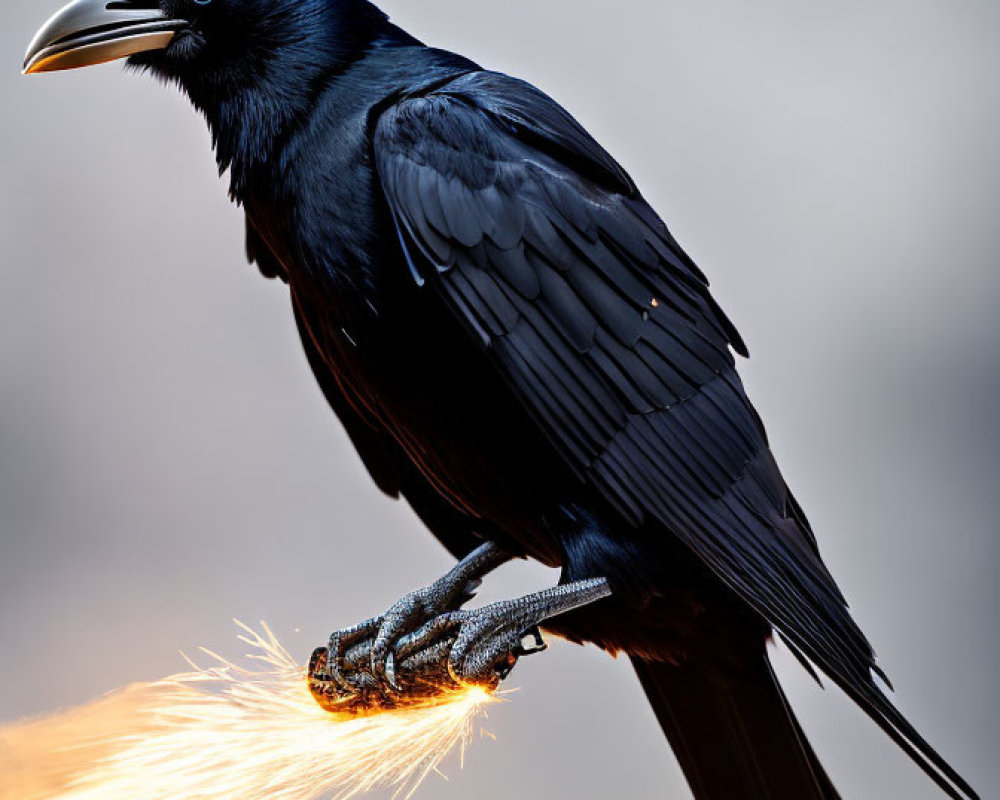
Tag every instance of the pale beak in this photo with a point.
(94, 31)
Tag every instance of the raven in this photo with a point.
(518, 347)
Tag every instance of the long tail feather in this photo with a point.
(738, 739)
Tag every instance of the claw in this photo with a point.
(390, 672)
(396, 621)
(340, 642)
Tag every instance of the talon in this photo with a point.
(328, 694)
(406, 613)
(335, 660)
(340, 642)
(390, 671)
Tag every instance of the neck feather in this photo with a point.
(251, 116)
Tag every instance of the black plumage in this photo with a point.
(518, 346)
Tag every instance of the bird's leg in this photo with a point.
(448, 593)
(427, 641)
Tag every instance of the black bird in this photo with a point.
(519, 348)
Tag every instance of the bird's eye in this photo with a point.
(203, 2)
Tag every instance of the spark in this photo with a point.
(228, 731)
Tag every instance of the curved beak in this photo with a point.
(94, 31)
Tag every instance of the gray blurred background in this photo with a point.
(166, 462)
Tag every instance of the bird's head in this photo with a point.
(205, 45)
(251, 66)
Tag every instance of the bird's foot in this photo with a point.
(421, 608)
(374, 639)
(449, 593)
(427, 644)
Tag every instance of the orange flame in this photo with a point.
(229, 732)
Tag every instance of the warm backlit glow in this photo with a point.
(228, 732)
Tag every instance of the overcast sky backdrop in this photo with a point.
(166, 462)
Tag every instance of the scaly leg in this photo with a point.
(486, 642)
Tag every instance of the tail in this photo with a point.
(734, 740)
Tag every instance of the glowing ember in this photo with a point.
(230, 732)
